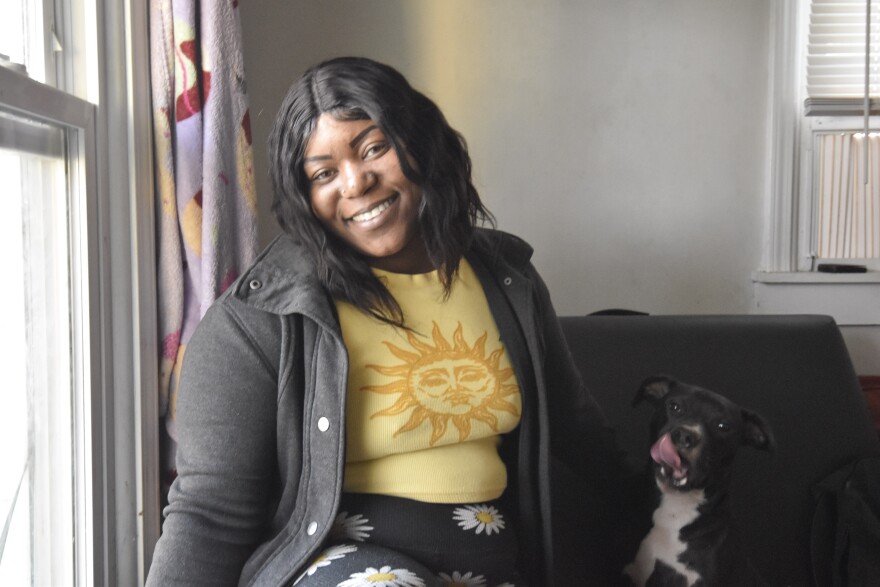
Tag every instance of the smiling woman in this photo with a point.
(435, 170)
(385, 361)
(360, 193)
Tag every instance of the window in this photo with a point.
(77, 337)
(842, 56)
(805, 159)
(39, 424)
(45, 140)
(817, 90)
(839, 193)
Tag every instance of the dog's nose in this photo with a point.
(686, 437)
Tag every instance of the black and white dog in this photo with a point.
(695, 434)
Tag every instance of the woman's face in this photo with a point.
(359, 193)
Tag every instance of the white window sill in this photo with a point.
(853, 299)
(815, 277)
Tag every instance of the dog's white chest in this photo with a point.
(663, 542)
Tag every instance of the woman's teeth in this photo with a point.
(373, 212)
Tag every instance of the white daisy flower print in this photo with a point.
(466, 580)
(353, 527)
(481, 517)
(384, 577)
(325, 558)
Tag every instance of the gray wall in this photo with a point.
(625, 139)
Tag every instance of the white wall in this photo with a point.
(625, 139)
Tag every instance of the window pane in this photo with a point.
(847, 198)
(836, 48)
(23, 37)
(12, 31)
(36, 409)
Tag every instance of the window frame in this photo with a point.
(133, 511)
(25, 97)
(811, 126)
(117, 261)
(784, 225)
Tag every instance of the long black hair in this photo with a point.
(432, 155)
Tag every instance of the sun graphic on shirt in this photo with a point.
(448, 382)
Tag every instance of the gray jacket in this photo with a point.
(261, 408)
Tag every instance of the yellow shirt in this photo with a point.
(426, 407)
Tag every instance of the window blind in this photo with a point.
(848, 208)
(836, 57)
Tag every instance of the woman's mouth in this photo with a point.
(374, 211)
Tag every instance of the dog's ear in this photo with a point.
(653, 389)
(756, 432)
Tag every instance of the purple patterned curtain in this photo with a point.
(205, 193)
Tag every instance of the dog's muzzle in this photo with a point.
(671, 467)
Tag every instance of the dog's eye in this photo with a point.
(723, 425)
(674, 407)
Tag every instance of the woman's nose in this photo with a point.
(356, 180)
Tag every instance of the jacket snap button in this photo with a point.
(255, 284)
(313, 527)
(507, 281)
(323, 424)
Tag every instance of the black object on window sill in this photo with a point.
(617, 312)
(840, 268)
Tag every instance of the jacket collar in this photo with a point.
(501, 250)
(284, 280)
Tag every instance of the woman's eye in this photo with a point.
(375, 149)
(322, 175)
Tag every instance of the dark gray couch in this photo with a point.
(794, 370)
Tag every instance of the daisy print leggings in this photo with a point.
(383, 541)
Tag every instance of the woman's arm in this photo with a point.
(593, 505)
(581, 435)
(226, 412)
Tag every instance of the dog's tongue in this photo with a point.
(664, 453)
